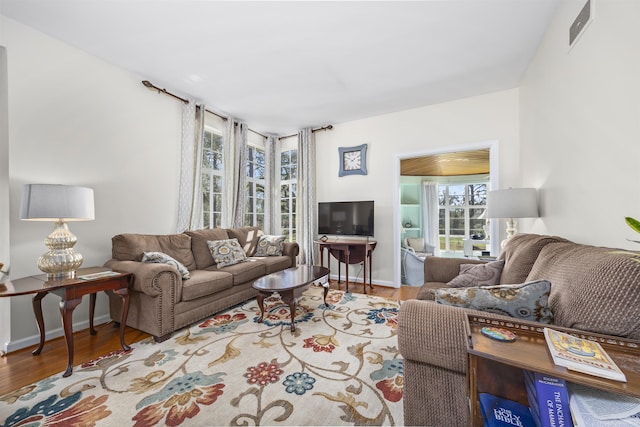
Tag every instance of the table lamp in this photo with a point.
(511, 204)
(59, 204)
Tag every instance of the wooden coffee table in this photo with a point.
(290, 284)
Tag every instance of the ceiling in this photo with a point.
(281, 66)
(472, 162)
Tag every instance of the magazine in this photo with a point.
(99, 275)
(581, 355)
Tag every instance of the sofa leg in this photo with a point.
(162, 338)
(116, 325)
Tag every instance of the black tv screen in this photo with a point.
(346, 218)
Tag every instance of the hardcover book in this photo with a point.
(499, 412)
(548, 400)
(581, 355)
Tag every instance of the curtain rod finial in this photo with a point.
(147, 83)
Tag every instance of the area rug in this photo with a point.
(340, 367)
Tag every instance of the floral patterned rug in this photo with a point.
(340, 367)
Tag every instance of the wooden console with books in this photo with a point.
(496, 367)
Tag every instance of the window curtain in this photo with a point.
(306, 222)
(190, 187)
(271, 190)
(430, 212)
(235, 159)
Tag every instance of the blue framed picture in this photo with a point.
(353, 160)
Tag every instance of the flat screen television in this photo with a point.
(346, 218)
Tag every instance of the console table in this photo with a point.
(349, 252)
(71, 290)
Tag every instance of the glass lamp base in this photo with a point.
(62, 260)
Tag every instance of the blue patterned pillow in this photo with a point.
(226, 252)
(270, 246)
(528, 301)
(162, 258)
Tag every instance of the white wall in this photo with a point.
(580, 125)
(74, 119)
(453, 124)
(5, 305)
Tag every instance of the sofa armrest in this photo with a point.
(291, 249)
(434, 334)
(437, 269)
(149, 278)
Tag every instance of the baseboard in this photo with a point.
(33, 340)
(359, 280)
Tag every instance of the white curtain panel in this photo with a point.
(235, 182)
(430, 212)
(240, 176)
(190, 188)
(271, 187)
(307, 221)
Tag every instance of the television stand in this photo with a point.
(349, 252)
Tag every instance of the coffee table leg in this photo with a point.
(260, 299)
(292, 311)
(326, 292)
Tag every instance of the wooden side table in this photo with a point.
(349, 252)
(87, 281)
(496, 367)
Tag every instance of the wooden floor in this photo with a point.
(20, 368)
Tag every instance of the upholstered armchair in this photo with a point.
(412, 267)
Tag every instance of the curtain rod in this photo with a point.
(150, 85)
(328, 127)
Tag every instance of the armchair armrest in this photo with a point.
(434, 334)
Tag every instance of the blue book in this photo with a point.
(548, 399)
(499, 412)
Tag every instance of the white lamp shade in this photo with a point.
(53, 202)
(512, 203)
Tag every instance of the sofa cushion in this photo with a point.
(130, 247)
(528, 301)
(273, 263)
(478, 274)
(247, 237)
(199, 247)
(246, 271)
(226, 252)
(269, 246)
(519, 254)
(162, 258)
(204, 283)
(594, 288)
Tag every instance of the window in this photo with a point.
(255, 206)
(288, 193)
(212, 178)
(460, 208)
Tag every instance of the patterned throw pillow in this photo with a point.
(270, 246)
(478, 274)
(528, 301)
(162, 258)
(226, 252)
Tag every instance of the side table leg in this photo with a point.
(37, 310)
(92, 309)
(124, 294)
(66, 309)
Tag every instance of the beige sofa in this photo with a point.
(162, 302)
(592, 288)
